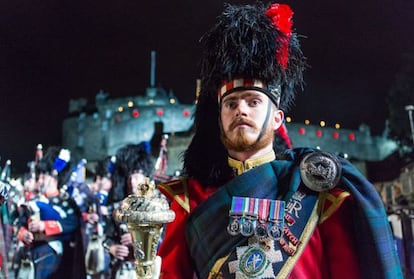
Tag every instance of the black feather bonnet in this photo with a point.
(129, 159)
(251, 43)
(56, 162)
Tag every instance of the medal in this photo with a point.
(276, 216)
(255, 260)
(260, 217)
(261, 231)
(233, 228)
(275, 232)
(236, 211)
(263, 214)
(247, 227)
(250, 211)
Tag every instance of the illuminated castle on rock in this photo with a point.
(93, 133)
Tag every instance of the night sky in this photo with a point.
(54, 51)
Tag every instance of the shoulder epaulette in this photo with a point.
(330, 201)
(177, 190)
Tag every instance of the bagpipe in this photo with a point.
(26, 268)
(24, 259)
(95, 253)
(125, 269)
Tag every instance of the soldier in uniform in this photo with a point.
(103, 183)
(97, 259)
(134, 163)
(49, 226)
(243, 211)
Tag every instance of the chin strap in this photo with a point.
(269, 106)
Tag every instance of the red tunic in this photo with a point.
(329, 253)
(185, 195)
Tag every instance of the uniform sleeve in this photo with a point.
(65, 225)
(173, 250)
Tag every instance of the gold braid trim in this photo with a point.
(330, 203)
(215, 270)
(304, 238)
(176, 193)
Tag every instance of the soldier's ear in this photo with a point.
(278, 117)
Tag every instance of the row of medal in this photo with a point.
(253, 216)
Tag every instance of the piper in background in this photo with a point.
(134, 163)
(97, 259)
(50, 225)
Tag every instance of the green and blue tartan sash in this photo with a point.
(207, 236)
(208, 240)
(376, 250)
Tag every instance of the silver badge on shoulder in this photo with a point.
(320, 171)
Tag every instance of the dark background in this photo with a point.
(54, 51)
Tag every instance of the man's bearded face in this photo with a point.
(242, 118)
(246, 139)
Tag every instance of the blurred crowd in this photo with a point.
(57, 221)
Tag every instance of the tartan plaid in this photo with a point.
(377, 252)
(208, 240)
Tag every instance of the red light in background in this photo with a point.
(351, 136)
(335, 135)
(319, 133)
(302, 131)
(186, 113)
(160, 112)
(135, 113)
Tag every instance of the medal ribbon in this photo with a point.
(277, 210)
(263, 209)
(237, 206)
(253, 207)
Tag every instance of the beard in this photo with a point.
(247, 139)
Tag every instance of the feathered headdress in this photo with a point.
(135, 157)
(250, 47)
(129, 159)
(56, 162)
(106, 166)
(61, 160)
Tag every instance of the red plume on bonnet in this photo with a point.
(281, 16)
(283, 133)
